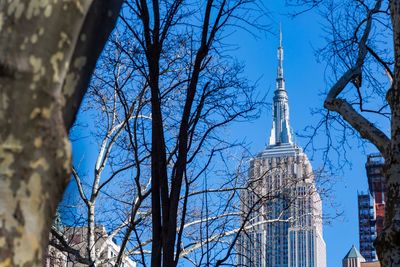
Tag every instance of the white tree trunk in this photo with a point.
(91, 240)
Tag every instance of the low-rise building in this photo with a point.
(371, 264)
(106, 249)
(353, 258)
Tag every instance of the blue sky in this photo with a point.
(305, 81)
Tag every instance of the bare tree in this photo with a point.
(99, 189)
(362, 51)
(193, 90)
(190, 89)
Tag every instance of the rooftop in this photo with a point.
(353, 253)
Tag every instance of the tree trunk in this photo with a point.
(34, 148)
(45, 65)
(34, 169)
(91, 249)
(388, 243)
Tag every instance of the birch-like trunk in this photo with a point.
(91, 242)
(48, 50)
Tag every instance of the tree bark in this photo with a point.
(41, 68)
(388, 243)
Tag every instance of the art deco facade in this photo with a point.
(282, 209)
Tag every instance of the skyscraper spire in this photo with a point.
(280, 80)
(280, 132)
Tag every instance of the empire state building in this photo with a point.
(282, 210)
